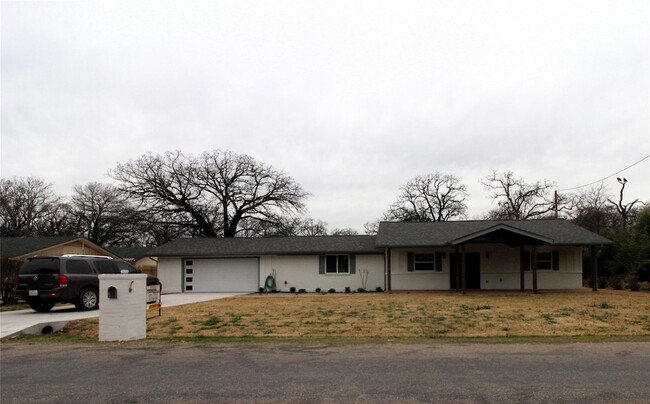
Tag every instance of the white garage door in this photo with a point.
(221, 275)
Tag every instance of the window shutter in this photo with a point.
(438, 261)
(353, 264)
(321, 264)
(526, 259)
(410, 264)
(556, 260)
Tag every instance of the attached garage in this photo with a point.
(221, 275)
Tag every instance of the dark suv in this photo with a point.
(45, 281)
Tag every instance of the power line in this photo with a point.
(605, 178)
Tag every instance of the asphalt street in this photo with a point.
(192, 373)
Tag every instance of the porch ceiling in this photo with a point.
(503, 234)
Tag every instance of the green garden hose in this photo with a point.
(269, 284)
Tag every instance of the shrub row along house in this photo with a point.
(460, 255)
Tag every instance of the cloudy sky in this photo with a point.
(351, 99)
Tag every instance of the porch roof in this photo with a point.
(438, 234)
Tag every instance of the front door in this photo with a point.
(472, 271)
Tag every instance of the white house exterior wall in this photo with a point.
(170, 274)
(429, 280)
(301, 272)
(499, 268)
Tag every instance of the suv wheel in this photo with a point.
(88, 300)
(41, 307)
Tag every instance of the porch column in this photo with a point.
(533, 260)
(462, 267)
(458, 260)
(522, 279)
(389, 286)
(594, 268)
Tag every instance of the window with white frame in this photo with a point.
(424, 262)
(545, 260)
(337, 264)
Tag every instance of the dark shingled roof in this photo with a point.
(420, 234)
(16, 246)
(131, 253)
(229, 247)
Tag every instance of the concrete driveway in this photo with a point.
(31, 322)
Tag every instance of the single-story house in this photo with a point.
(460, 255)
(15, 250)
(138, 257)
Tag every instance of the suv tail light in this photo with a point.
(63, 280)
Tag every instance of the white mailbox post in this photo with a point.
(122, 307)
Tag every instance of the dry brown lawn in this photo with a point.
(404, 315)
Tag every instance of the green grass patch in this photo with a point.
(212, 321)
(13, 307)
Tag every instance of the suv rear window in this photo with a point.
(123, 266)
(78, 267)
(40, 266)
(105, 266)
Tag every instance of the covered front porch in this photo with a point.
(500, 257)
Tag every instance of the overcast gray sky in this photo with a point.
(350, 98)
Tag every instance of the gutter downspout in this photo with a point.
(387, 270)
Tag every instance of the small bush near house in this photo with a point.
(332, 290)
(602, 282)
(379, 289)
(292, 289)
(361, 290)
(615, 282)
(318, 290)
(302, 290)
(605, 305)
(347, 289)
(634, 286)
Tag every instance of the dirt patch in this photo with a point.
(415, 314)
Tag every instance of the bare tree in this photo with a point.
(247, 189)
(430, 198)
(623, 209)
(591, 210)
(371, 227)
(347, 231)
(27, 207)
(211, 195)
(165, 188)
(103, 214)
(519, 200)
(59, 220)
(283, 226)
(154, 229)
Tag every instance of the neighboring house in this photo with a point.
(138, 257)
(15, 250)
(486, 254)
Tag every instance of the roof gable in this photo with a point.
(503, 233)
